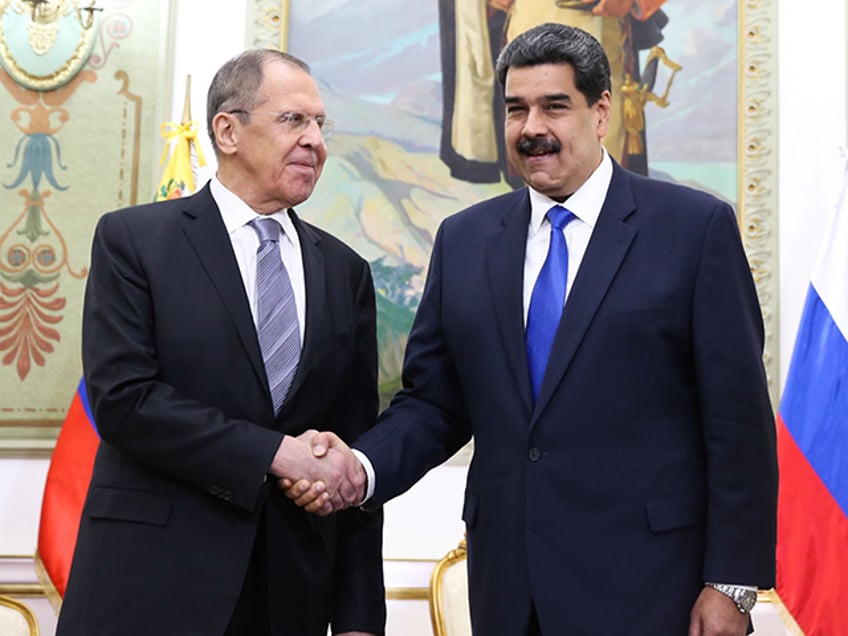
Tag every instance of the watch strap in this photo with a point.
(744, 597)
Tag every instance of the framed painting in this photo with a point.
(410, 87)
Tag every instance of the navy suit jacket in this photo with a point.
(180, 399)
(646, 467)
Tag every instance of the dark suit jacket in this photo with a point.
(647, 465)
(180, 399)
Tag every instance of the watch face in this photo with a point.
(746, 600)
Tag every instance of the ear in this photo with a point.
(226, 134)
(603, 112)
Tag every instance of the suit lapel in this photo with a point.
(316, 301)
(208, 237)
(610, 242)
(504, 256)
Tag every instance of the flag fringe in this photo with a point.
(785, 614)
(46, 582)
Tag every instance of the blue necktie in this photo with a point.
(277, 326)
(547, 299)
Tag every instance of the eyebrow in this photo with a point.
(553, 97)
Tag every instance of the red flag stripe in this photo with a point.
(65, 491)
(812, 545)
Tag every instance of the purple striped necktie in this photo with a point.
(277, 326)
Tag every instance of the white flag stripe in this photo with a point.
(830, 276)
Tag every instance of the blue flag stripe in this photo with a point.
(815, 401)
(83, 394)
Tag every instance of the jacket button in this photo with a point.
(534, 455)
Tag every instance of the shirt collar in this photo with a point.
(585, 203)
(236, 213)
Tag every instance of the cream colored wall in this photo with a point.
(811, 133)
(424, 524)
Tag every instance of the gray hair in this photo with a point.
(235, 86)
(553, 43)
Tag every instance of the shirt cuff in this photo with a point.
(369, 472)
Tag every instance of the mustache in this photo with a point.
(538, 146)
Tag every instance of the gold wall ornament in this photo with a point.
(267, 24)
(44, 43)
(757, 157)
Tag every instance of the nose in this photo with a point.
(535, 125)
(312, 135)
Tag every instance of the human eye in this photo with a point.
(291, 120)
(515, 110)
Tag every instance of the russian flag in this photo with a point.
(812, 423)
(72, 463)
(64, 494)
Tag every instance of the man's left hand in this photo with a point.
(715, 614)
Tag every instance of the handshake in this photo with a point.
(319, 472)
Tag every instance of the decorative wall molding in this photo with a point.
(266, 24)
(757, 157)
(405, 580)
(54, 193)
(18, 577)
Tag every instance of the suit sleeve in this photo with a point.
(360, 602)
(427, 421)
(738, 422)
(135, 411)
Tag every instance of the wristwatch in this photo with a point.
(745, 598)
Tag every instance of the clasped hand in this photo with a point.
(319, 472)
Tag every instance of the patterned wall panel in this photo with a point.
(67, 155)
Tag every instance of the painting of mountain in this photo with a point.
(385, 190)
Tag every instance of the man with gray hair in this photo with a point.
(599, 336)
(216, 330)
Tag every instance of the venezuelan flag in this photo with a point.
(64, 494)
(178, 176)
(812, 542)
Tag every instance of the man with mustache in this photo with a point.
(471, 36)
(216, 330)
(598, 335)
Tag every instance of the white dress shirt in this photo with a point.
(586, 205)
(236, 215)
